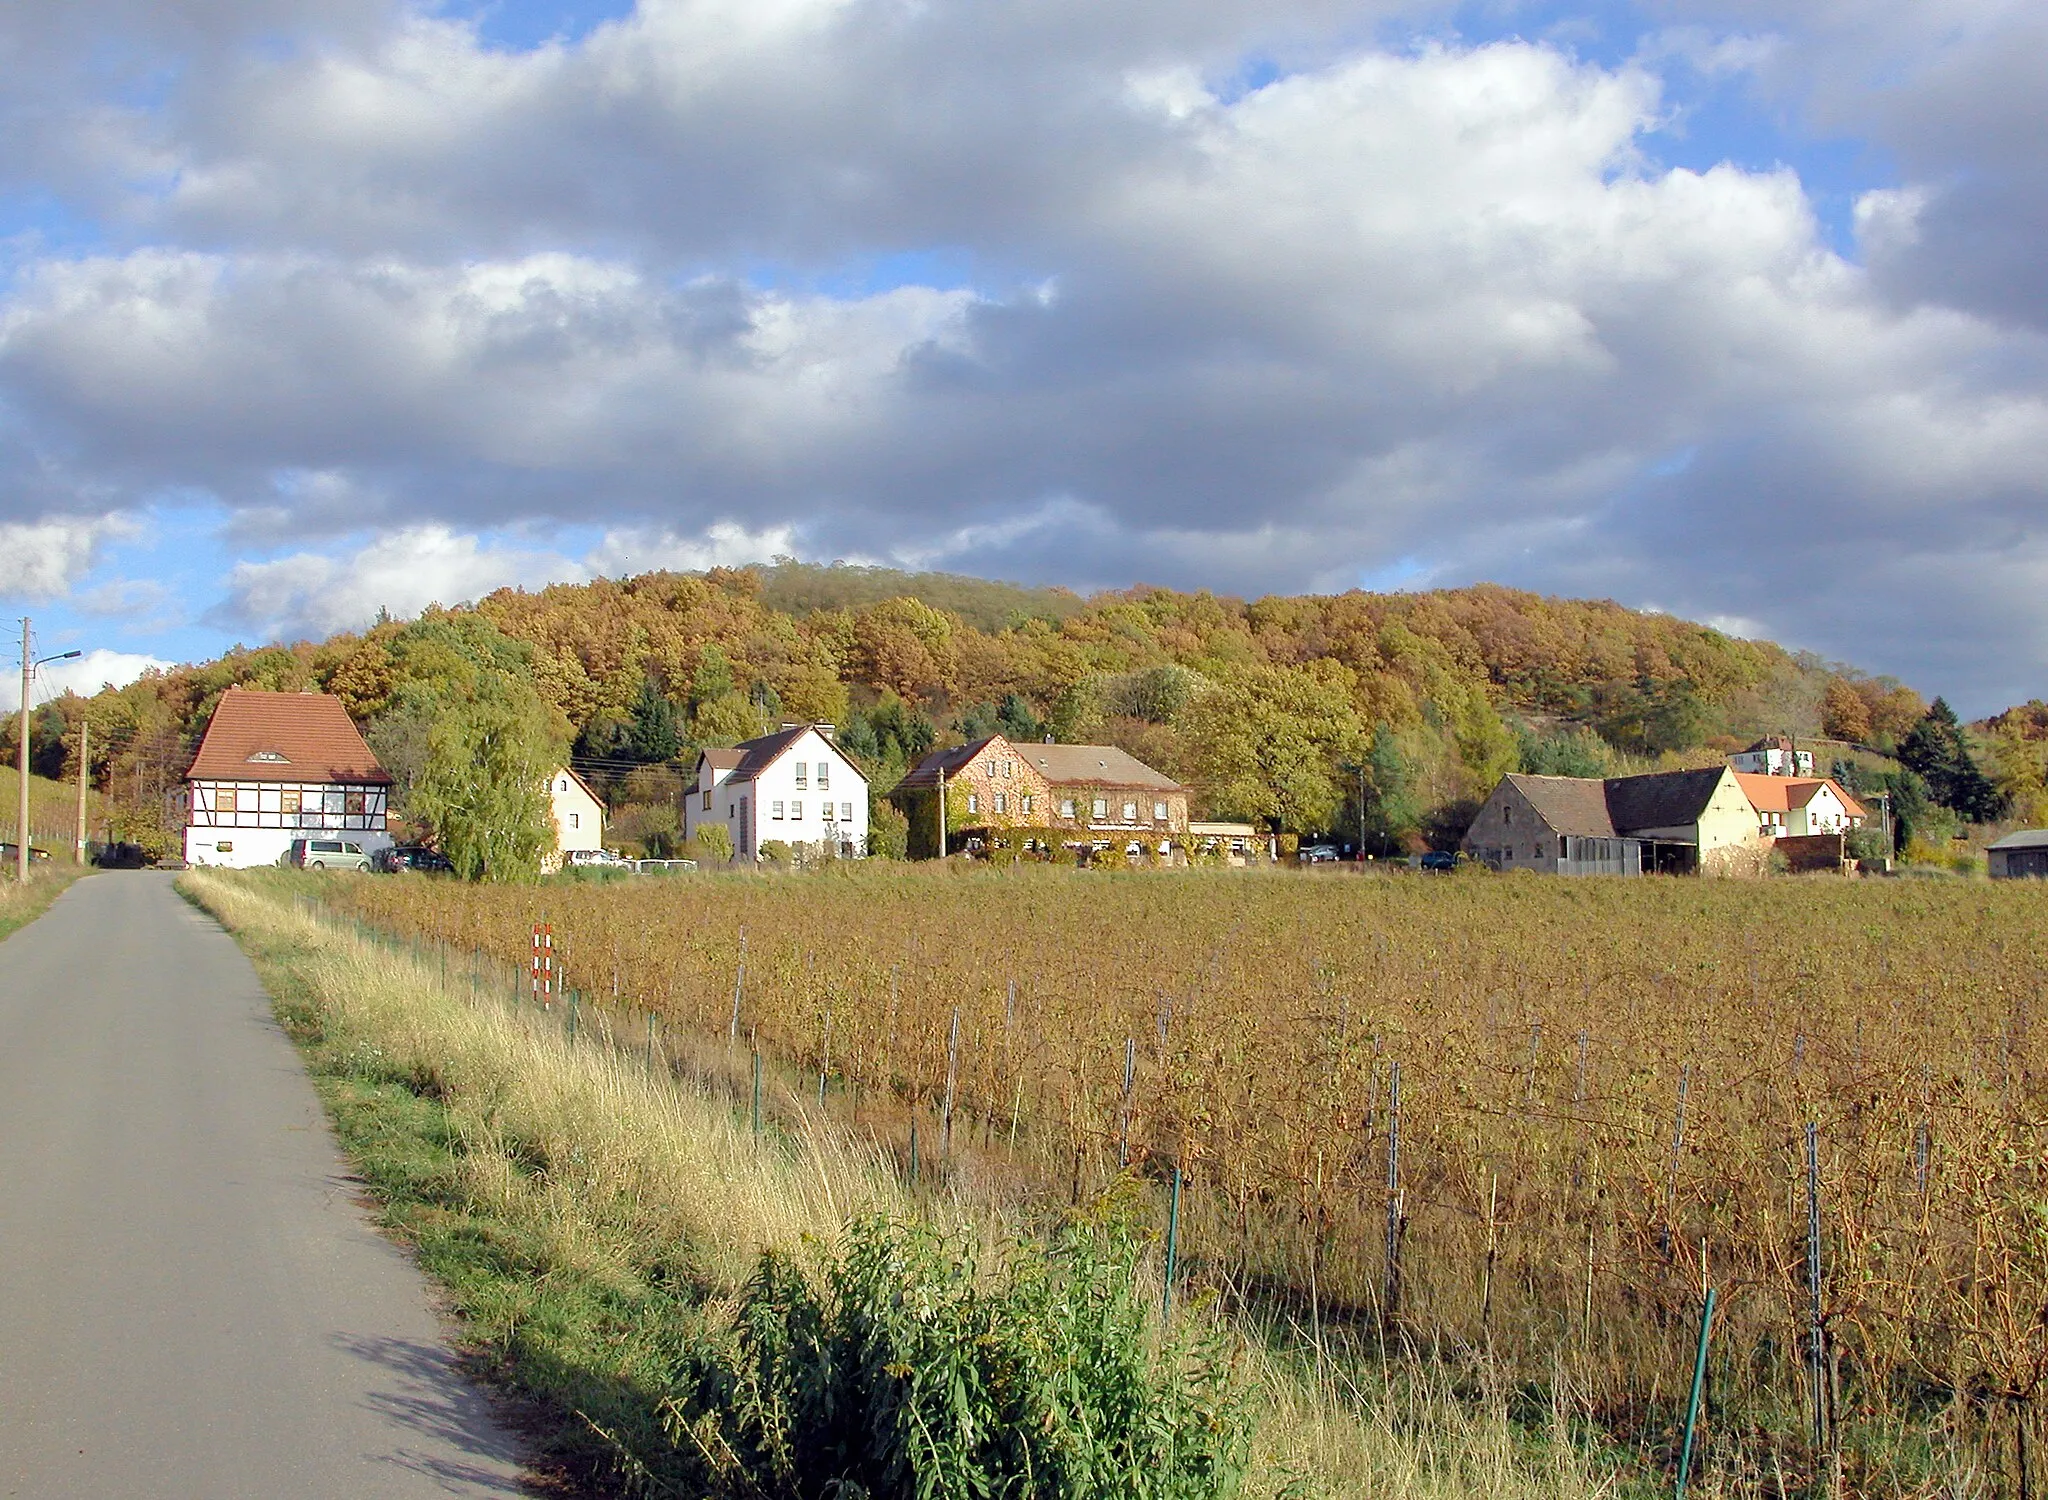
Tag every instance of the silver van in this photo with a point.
(326, 854)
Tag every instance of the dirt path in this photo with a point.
(192, 1302)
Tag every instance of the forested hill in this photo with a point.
(1280, 709)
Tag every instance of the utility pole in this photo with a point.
(21, 824)
(84, 760)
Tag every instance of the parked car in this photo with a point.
(10, 853)
(399, 858)
(1319, 854)
(120, 856)
(1439, 861)
(326, 854)
(594, 859)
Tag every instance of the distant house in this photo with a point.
(578, 814)
(1800, 807)
(794, 787)
(2020, 856)
(274, 767)
(1672, 822)
(1776, 755)
(1097, 792)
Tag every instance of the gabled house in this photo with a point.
(578, 816)
(1670, 822)
(1099, 793)
(274, 767)
(1774, 755)
(1800, 806)
(794, 787)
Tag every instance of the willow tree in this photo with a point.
(484, 788)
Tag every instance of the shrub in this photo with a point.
(905, 1370)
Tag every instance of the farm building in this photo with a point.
(794, 787)
(1097, 792)
(274, 767)
(2020, 856)
(1672, 822)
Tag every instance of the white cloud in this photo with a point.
(723, 545)
(85, 676)
(44, 559)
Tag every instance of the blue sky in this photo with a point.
(310, 308)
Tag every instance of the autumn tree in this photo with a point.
(1266, 743)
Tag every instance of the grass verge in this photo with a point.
(22, 904)
(666, 1289)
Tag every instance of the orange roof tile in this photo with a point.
(284, 737)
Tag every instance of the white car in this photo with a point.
(594, 859)
(326, 854)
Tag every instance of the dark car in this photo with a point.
(402, 857)
(1441, 861)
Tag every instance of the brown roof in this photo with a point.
(926, 772)
(721, 759)
(1575, 805)
(1783, 793)
(286, 737)
(1095, 765)
(749, 758)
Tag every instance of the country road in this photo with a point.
(192, 1301)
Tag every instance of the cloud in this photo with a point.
(44, 559)
(85, 676)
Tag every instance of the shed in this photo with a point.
(2020, 856)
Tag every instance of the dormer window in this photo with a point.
(269, 758)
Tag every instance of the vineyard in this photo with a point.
(1510, 1124)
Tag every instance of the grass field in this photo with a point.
(52, 811)
(1604, 1089)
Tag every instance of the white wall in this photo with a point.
(579, 817)
(802, 802)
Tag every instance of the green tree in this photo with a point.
(1267, 742)
(713, 678)
(653, 735)
(483, 789)
(1571, 751)
(1016, 720)
(1937, 751)
(1395, 804)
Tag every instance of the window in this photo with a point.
(1066, 807)
(796, 811)
(824, 772)
(575, 820)
(1026, 802)
(1507, 814)
(800, 782)
(825, 811)
(224, 800)
(707, 802)
(1130, 812)
(1002, 802)
(846, 812)
(973, 803)
(562, 785)
(775, 811)
(288, 801)
(226, 846)
(1159, 812)
(353, 803)
(1102, 807)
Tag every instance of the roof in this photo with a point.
(1574, 805)
(2026, 838)
(926, 772)
(1096, 765)
(1784, 793)
(588, 790)
(749, 758)
(1664, 799)
(1774, 742)
(284, 737)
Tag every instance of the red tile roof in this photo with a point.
(284, 737)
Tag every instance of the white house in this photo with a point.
(579, 817)
(1797, 807)
(274, 767)
(1775, 756)
(794, 786)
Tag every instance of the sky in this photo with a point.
(1732, 309)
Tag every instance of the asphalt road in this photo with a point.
(192, 1301)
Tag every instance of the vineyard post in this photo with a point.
(1392, 1301)
(651, 1024)
(913, 1150)
(1123, 1149)
(952, 1069)
(825, 1057)
(739, 984)
(757, 1090)
(1699, 1385)
(1172, 1250)
(1816, 1336)
(1578, 1114)
(1492, 1251)
(572, 1016)
(1677, 1145)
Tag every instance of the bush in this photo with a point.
(905, 1371)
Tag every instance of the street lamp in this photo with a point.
(28, 667)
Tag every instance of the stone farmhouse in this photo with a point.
(794, 787)
(1099, 793)
(274, 767)
(1672, 822)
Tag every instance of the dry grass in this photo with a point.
(608, 1167)
(22, 904)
